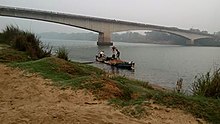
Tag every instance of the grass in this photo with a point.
(62, 72)
(45, 68)
(56, 69)
(200, 107)
(7, 54)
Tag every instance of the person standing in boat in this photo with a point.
(179, 84)
(117, 53)
(114, 52)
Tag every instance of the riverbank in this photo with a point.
(129, 99)
(29, 98)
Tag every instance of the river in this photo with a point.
(159, 64)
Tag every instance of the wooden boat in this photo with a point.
(116, 62)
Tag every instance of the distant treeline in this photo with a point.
(69, 36)
(134, 37)
(149, 37)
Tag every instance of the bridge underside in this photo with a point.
(104, 39)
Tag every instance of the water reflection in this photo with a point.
(114, 70)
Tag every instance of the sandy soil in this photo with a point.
(28, 98)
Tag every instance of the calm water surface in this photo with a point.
(158, 64)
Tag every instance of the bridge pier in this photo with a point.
(190, 42)
(104, 39)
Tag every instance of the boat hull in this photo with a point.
(116, 62)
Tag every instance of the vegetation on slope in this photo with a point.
(120, 91)
(207, 85)
(25, 41)
(8, 54)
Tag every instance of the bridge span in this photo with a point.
(105, 27)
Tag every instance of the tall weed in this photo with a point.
(207, 85)
(62, 53)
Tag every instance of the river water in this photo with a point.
(159, 64)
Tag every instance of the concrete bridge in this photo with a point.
(105, 27)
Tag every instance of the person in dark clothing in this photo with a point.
(117, 54)
(179, 84)
(113, 52)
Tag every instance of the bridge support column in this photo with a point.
(104, 39)
(190, 42)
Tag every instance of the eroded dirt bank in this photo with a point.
(28, 98)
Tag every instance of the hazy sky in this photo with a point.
(185, 14)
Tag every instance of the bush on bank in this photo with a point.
(207, 85)
(25, 41)
(62, 53)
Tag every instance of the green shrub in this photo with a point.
(19, 43)
(25, 41)
(9, 33)
(207, 85)
(62, 53)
